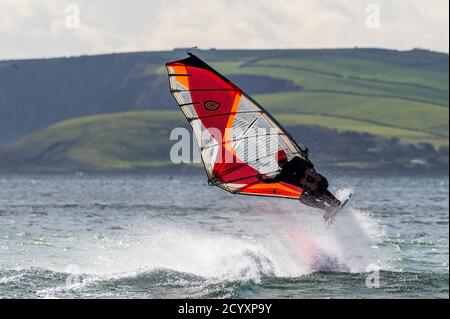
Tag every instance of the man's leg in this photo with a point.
(313, 199)
(330, 199)
(324, 200)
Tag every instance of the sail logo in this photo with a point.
(211, 105)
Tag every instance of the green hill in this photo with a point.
(383, 94)
(392, 93)
(122, 141)
(400, 98)
(137, 141)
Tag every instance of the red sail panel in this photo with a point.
(224, 120)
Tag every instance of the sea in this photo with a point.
(172, 236)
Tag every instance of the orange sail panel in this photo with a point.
(236, 136)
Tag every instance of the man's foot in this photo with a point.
(328, 217)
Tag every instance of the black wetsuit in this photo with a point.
(301, 172)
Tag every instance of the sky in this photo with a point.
(53, 28)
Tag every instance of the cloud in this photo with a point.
(38, 28)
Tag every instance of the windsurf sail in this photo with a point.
(236, 136)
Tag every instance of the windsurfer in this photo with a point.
(300, 171)
(224, 118)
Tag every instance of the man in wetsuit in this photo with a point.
(300, 172)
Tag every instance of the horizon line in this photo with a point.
(218, 49)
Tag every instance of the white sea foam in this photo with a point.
(295, 244)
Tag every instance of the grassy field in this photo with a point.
(346, 67)
(343, 124)
(384, 112)
(388, 95)
(120, 141)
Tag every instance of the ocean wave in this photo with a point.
(166, 283)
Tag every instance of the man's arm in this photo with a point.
(304, 150)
